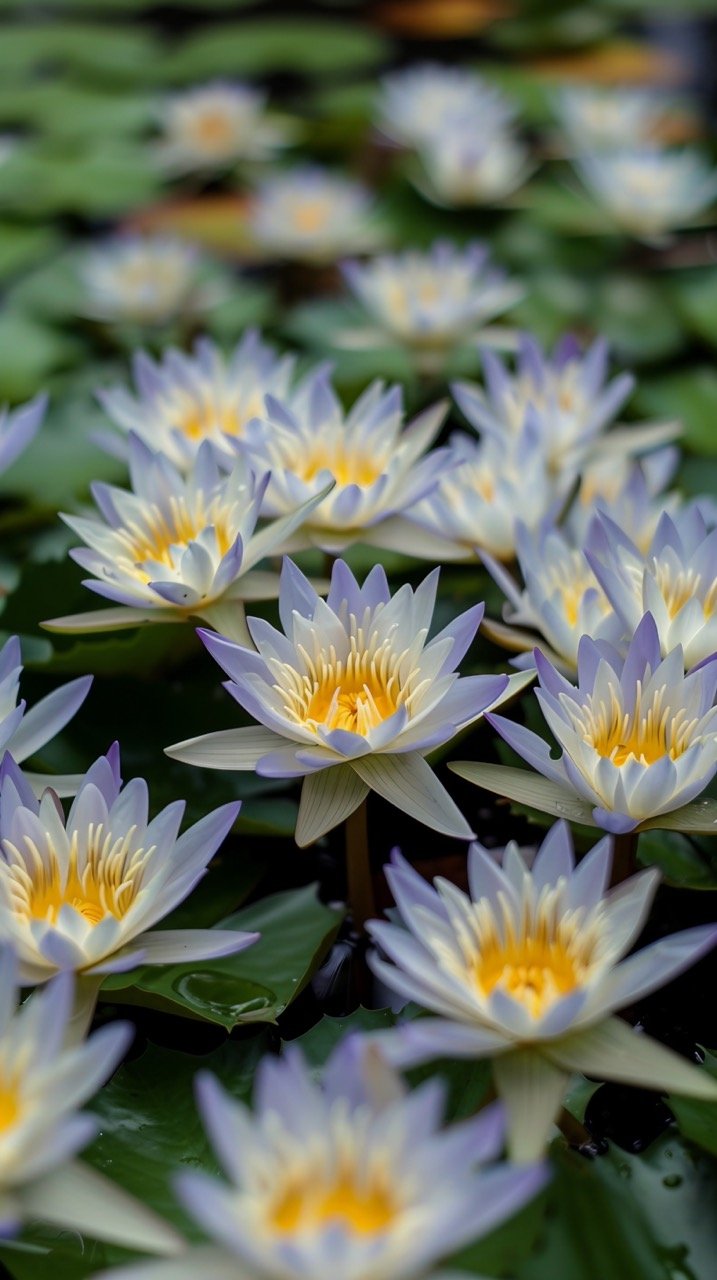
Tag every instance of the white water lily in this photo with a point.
(182, 400)
(351, 698)
(632, 493)
(427, 100)
(23, 732)
(561, 599)
(211, 126)
(175, 546)
(352, 1178)
(476, 505)
(378, 466)
(468, 166)
(43, 1081)
(596, 118)
(312, 215)
(528, 969)
(432, 300)
(675, 580)
(651, 191)
(144, 280)
(84, 894)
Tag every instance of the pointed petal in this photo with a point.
(532, 1089)
(227, 748)
(613, 1050)
(409, 782)
(76, 1196)
(328, 797)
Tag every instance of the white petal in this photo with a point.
(409, 782)
(532, 1089)
(614, 1051)
(327, 798)
(227, 748)
(78, 1197)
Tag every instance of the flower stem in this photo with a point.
(358, 869)
(87, 989)
(624, 858)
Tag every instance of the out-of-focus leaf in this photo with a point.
(638, 318)
(690, 396)
(682, 862)
(22, 246)
(698, 1120)
(29, 353)
(105, 52)
(105, 179)
(309, 44)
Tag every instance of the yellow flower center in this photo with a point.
(311, 1205)
(347, 466)
(9, 1104)
(105, 882)
(677, 588)
(309, 217)
(159, 536)
(213, 129)
(355, 693)
(645, 733)
(545, 954)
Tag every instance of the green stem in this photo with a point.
(624, 858)
(87, 989)
(358, 869)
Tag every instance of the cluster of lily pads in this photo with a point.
(250, 484)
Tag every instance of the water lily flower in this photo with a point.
(211, 126)
(178, 546)
(676, 580)
(632, 493)
(24, 732)
(144, 280)
(470, 165)
(561, 600)
(351, 697)
(18, 427)
(638, 736)
(650, 191)
(182, 400)
(427, 100)
(528, 969)
(568, 397)
(312, 215)
(475, 506)
(44, 1081)
(349, 1178)
(378, 466)
(595, 118)
(84, 894)
(435, 299)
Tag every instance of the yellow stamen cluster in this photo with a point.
(312, 1202)
(643, 733)
(155, 535)
(545, 953)
(9, 1103)
(356, 692)
(677, 588)
(347, 465)
(105, 881)
(572, 583)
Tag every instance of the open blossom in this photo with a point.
(568, 397)
(638, 736)
(377, 464)
(349, 1178)
(427, 99)
(632, 493)
(145, 280)
(175, 546)
(44, 1078)
(650, 191)
(561, 600)
(603, 119)
(478, 500)
(85, 893)
(18, 427)
(351, 696)
(675, 580)
(214, 125)
(432, 299)
(25, 732)
(312, 215)
(528, 968)
(469, 165)
(182, 400)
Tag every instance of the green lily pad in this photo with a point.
(256, 985)
(691, 397)
(698, 1120)
(310, 45)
